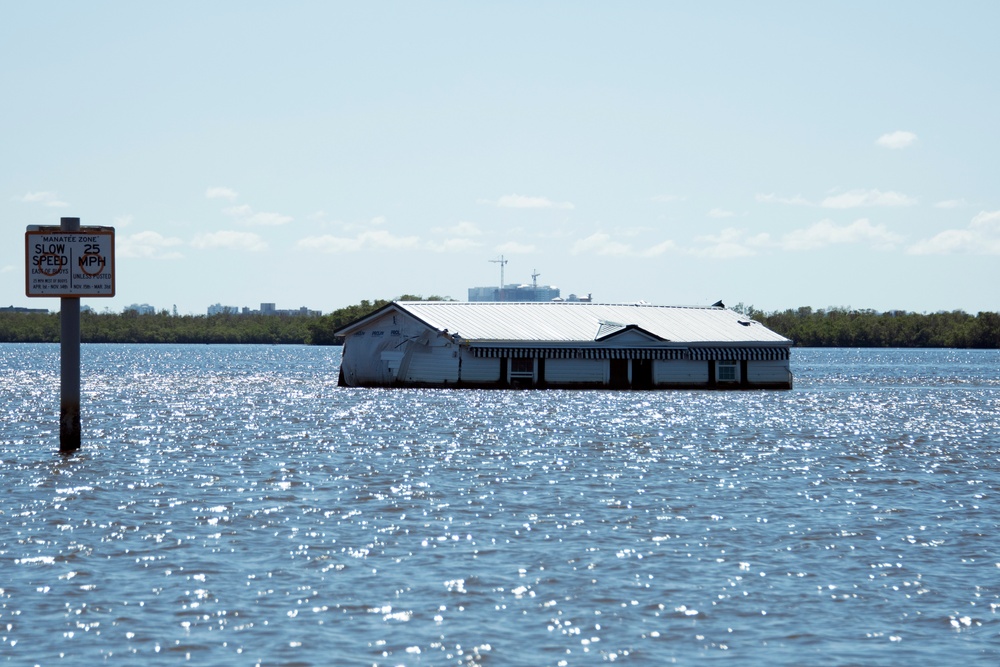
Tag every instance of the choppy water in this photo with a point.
(232, 505)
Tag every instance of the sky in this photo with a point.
(773, 154)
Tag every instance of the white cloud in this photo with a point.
(381, 238)
(44, 198)
(730, 243)
(987, 221)
(7, 269)
(464, 229)
(453, 245)
(363, 225)
(378, 239)
(240, 211)
(521, 201)
(220, 193)
(981, 237)
(896, 140)
(514, 248)
(659, 249)
(600, 244)
(147, 245)
(604, 244)
(725, 251)
(720, 213)
(229, 239)
(826, 232)
(461, 238)
(858, 198)
(246, 215)
(797, 200)
(851, 199)
(330, 243)
(267, 219)
(950, 203)
(123, 221)
(633, 231)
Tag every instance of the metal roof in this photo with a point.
(570, 322)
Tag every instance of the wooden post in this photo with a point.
(69, 340)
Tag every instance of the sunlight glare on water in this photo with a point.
(232, 505)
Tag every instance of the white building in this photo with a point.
(561, 344)
(219, 309)
(532, 292)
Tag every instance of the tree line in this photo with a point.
(840, 327)
(834, 327)
(162, 327)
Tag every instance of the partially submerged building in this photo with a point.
(559, 344)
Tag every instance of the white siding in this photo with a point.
(480, 369)
(392, 359)
(680, 371)
(767, 371)
(575, 370)
(375, 354)
(632, 337)
(431, 364)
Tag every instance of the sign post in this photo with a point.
(69, 261)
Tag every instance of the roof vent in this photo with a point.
(718, 304)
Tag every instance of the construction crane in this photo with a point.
(501, 262)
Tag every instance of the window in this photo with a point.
(522, 367)
(727, 371)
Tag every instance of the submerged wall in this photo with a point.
(386, 361)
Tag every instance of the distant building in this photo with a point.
(219, 309)
(265, 309)
(301, 312)
(19, 309)
(573, 298)
(521, 292)
(142, 309)
(513, 292)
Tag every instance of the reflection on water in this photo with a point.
(232, 505)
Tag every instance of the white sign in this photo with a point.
(69, 264)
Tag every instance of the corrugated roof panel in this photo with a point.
(579, 322)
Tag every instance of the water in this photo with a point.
(233, 506)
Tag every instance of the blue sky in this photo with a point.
(779, 154)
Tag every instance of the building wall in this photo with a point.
(475, 370)
(399, 350)
(368, 359)
(377, 355)
(431, 364)
(576, 371)
(680, 371)
(768, 372)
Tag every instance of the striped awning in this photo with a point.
(738, 353)
(779, 353)
(579, 353)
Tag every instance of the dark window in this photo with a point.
(522, 367)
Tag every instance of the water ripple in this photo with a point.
(233, 505)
